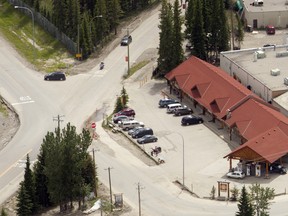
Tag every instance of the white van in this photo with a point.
(127, 125)
(172, 107)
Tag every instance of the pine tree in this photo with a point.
(166, 39)
(189, 16)
(29, 184)
(124, 97)
(24, 204)
(3, 212)
(118, 105)
(113, 14)
(223, 29)
(239, 35)
(178, 54)
(85, 39)
(244, 206)
(198, 35)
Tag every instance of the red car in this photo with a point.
(127, 112)
(270, 29)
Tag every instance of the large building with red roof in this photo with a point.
(262, 128)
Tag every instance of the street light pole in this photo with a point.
(20, 7)
(183, 157)
(100, 16)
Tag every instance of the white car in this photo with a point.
(236, 174)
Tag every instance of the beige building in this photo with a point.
(260, 13)
(262, 70)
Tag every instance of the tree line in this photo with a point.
(63, 173)
(89, 23)
(206, 29)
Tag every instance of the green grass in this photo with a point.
(17, 28)
(3, 109)
(136, 67)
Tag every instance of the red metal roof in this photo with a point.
(270, 146)
(209, 85)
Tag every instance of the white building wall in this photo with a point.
(245, 78)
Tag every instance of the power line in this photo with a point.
(58, 119)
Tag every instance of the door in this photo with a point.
(255, 24)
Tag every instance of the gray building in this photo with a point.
(260, 13)
(263, 70)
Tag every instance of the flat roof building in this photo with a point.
(262, 70)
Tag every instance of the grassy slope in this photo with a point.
(17, 28)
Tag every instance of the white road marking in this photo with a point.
(24, 102)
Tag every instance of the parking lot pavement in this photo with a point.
(204, 144)
(260, 38)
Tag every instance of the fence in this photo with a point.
(48, 26)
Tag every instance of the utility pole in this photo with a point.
(110, 188)
(128, 55)
(58, 119)
(139, 197)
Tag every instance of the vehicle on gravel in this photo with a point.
(58, 75)
(191, 120)
(147, 139)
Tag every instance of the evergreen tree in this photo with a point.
(113, 14)
(41, 181)
(124, 97)
(118, 105)
(24, 204)
(29, 184)
(166, 38)
(239, 35)
(223, 29)
(244, 206)
(85, 39)
(189, 16)
(101, 25)
(3, 212)
(260, 198)
(178, 54)
(198, 35)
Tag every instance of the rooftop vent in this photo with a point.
(286, 80)
(282, 54)
(260, 54)
(275, 72)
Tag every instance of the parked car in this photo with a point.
(277, 168)
(126, 40)
(182, 111)
(270, 29)
(126, 112)
(166, 101)
(131, 131)
(191, 119)
(147, 139)
(172, 107)
(236, 174)
(142, 132)
(117, 119)
(55, 76)
(127, 125)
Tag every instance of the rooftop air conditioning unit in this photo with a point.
(286, 80)
(260, 54)
(275, 72)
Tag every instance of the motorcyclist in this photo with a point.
(101, 65)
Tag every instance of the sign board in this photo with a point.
(223, 187)
(93, 125)
(126, 58)
(78, 55)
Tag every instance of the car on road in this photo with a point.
(147, 139)
(127, 112)
(121, 118)
(163, 103)
(182, 111)
(236, 174)
(191, 120)
(58, 75)
(126, 40)
(277, 168)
